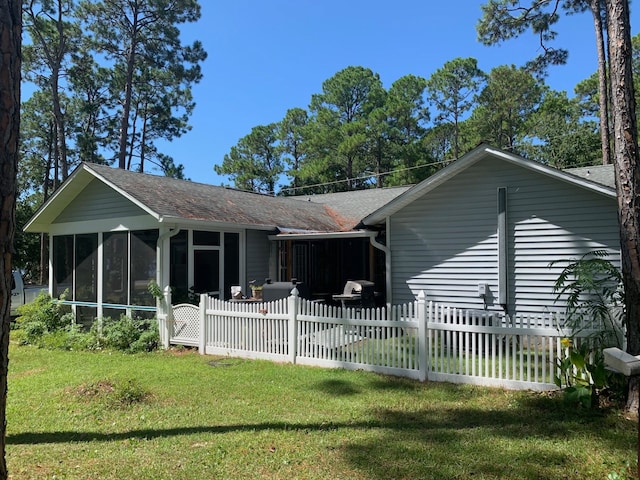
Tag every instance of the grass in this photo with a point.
(178, 415)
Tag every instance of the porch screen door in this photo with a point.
(206, 272)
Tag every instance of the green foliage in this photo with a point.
(155, 290)
(46, 312)
(453, 89)
(101, 68)
(72, 338)
(581, 374)
(27, 245)
(151, 71)
(126, 334)
(148, 341)
(592, 289)
(505, 106)
(129, 392)
(114, 393)
(506, 19)
(558, 134)
(48, 324)
(33, 331)
(340, 135)
(255, 163)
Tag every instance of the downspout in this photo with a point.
(160, 254)
(503, 258)
(162, 309)
(387, 260)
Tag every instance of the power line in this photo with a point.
(364, 177)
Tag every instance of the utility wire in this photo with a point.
(363, 177)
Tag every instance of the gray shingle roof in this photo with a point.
(602, 174)
(169, 197)
(358, 204)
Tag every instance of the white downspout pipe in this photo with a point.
(387, 261)
(162, 309)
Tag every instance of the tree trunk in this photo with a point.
(10, 55)
(626, 164)
(128, 90)
(126, 108)
(603, 84)
(57, 112)
(54, 54)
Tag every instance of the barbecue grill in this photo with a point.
(357, 293)
(276, 290)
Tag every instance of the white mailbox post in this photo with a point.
(629, 365)
(621, 361)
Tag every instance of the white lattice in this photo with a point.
(185, 323)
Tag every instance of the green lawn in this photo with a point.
(172, 415)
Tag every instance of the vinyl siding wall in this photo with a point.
(258, 251)
(98, 202)
(445, 243)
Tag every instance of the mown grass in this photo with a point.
(178, 415)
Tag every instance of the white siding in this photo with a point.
(446, 242)
(98, 202)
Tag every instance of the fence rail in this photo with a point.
(420, 340)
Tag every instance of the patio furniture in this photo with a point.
(277, 290)
(358, 294)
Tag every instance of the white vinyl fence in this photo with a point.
(420, 340)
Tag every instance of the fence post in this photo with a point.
(423, 358)
(165, 317)
(202, 327)
(293, 324)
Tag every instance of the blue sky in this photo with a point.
(265, 57)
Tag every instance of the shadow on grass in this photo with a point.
(440, 440)
(337, 387)
(527, 441)
(389, 420)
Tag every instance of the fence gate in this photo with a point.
(185, 325)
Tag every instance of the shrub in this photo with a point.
(47, 324)
(593, 290)
(148, 341)
(119, 334)
(70, 337)
(46, 311)
(126, 334)
(114, 393)
(33, 331)
(129, 392)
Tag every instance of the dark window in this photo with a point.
(62, 265)
(116, 260)
(231, 263)
(206, 271)
(86, 284)
(211, 239)
(143, 266)
(178, 275)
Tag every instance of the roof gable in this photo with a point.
(476, 155)
(98, 201)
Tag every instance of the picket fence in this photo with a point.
(420, 340)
